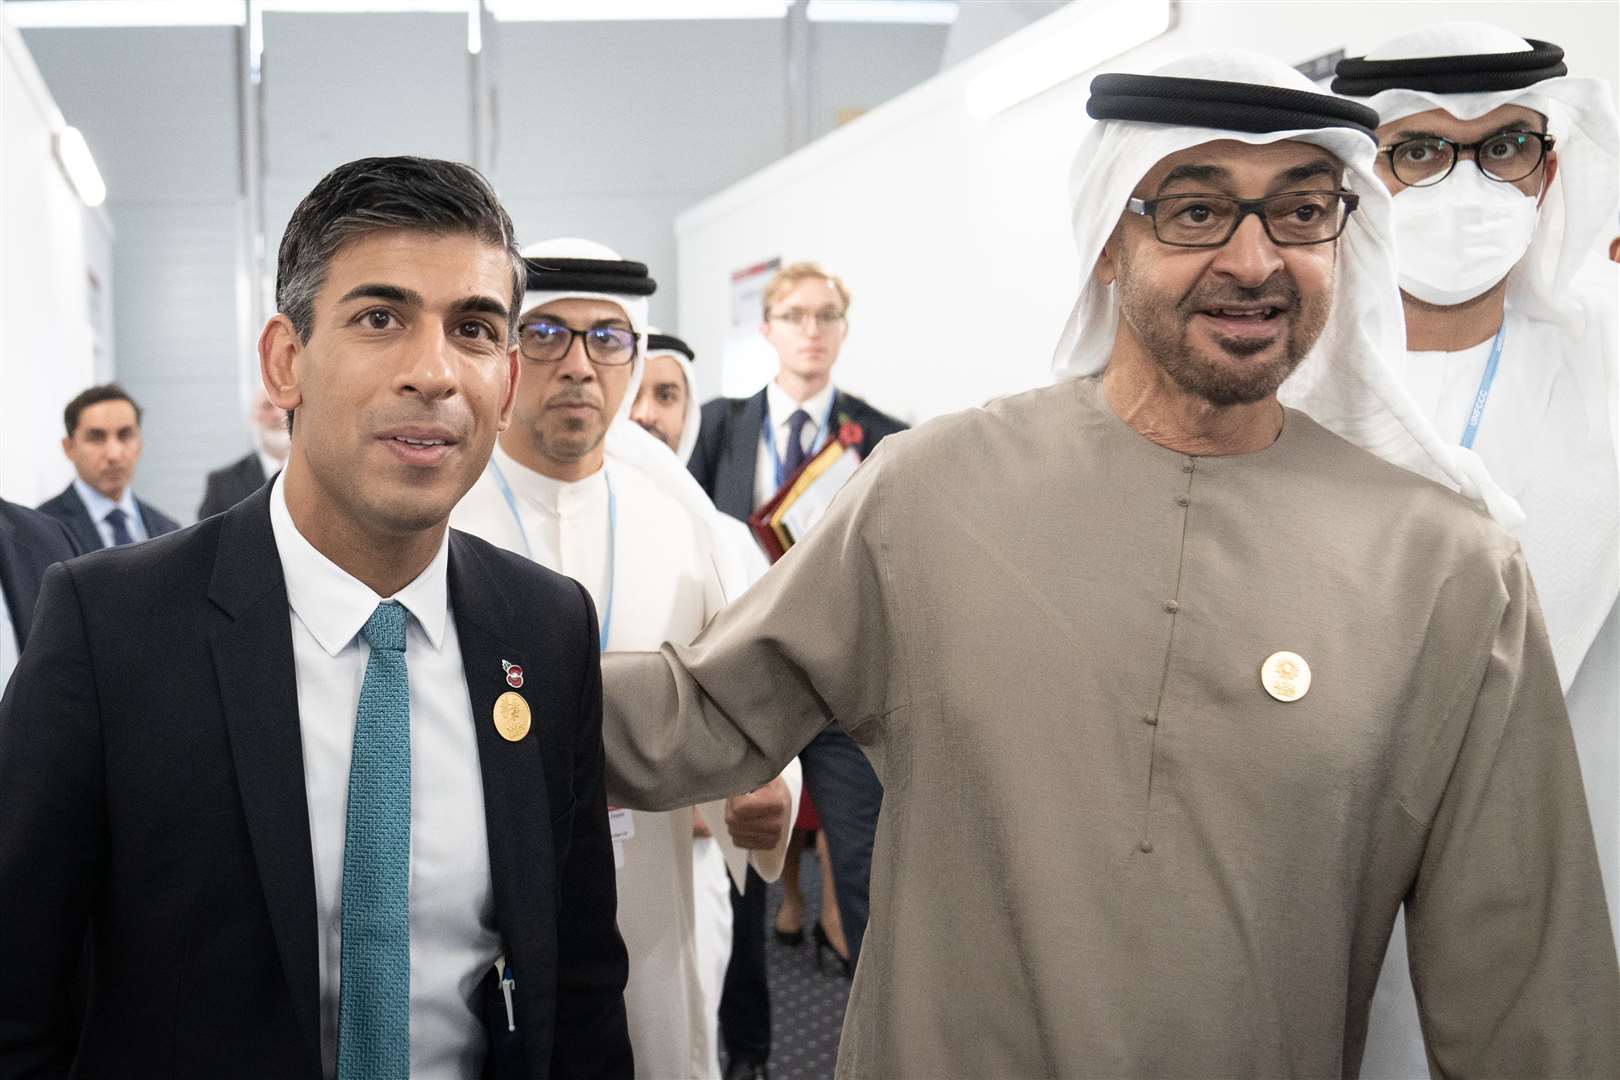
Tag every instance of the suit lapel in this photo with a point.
(253, 660)
(79, 521)
(517, 805)
(744, 453)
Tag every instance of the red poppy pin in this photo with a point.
(514, 674)
(849, 432)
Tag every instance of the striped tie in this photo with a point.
(374, 1000)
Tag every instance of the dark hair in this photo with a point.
(95, 396)
(379, 193)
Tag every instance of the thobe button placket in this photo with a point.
(1171, 606)
(1182, 500)
(1149, 719)
(1187, 466)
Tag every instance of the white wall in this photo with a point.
(51, 247)
(605, 130)
(158, 108)
(953, 231)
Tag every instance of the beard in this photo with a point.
(1243, 370)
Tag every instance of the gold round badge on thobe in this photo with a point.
(1286, 676)
(512, 717)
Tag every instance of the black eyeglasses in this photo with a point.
(1291, 218)
(547, 342)
(1504, 157)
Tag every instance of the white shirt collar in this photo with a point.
(782, 406)
(334, 604)
(98, 504)
(546, 493)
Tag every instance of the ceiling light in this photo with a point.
(616, 10)
(931, 12)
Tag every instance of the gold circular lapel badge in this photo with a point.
(1286, 676)
(512, 716)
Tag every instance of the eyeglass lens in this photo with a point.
(1512, 155)
(826, 318)
(549, 341)
(1307, 217)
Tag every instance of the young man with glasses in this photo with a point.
(553, 493)
(747, 448)
(1504, 176)
(1177, 694)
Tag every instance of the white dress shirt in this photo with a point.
(452, 908)
(270, 465)
(100, 506)
(779, 410)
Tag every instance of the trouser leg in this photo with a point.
(847, 796)
(745, 1002)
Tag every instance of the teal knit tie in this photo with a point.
(374, 999)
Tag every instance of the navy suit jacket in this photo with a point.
(727, 450)
(29, 543)
(70, 510)
(228, 486)
(153, 778)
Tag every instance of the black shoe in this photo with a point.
(788, 937)
(824, 946)
(747, 1070)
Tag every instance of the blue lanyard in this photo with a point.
(1483, 394)
(768, 433)
(613, 538)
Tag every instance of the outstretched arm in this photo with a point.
(813, 641)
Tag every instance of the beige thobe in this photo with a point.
(1104, 849)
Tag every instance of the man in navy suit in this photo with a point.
(746, 450)
(104, 443)
(322, 777)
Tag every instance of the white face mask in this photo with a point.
(1460, 237)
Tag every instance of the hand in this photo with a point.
(758, 819)
(700, 828)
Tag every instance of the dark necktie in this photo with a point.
(795, 443)
(117, 518)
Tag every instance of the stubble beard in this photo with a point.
(1164, 327)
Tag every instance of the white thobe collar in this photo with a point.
(333, 603)
(559, 498)
(100, 506)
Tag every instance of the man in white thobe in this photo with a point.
(1503, 171)
(553, 493)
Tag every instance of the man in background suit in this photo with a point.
(286, 765)
(104, 443)
(271, 440)
(746, 449)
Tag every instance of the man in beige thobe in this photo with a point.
(1177, 695)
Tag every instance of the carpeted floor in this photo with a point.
(807, 1007)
